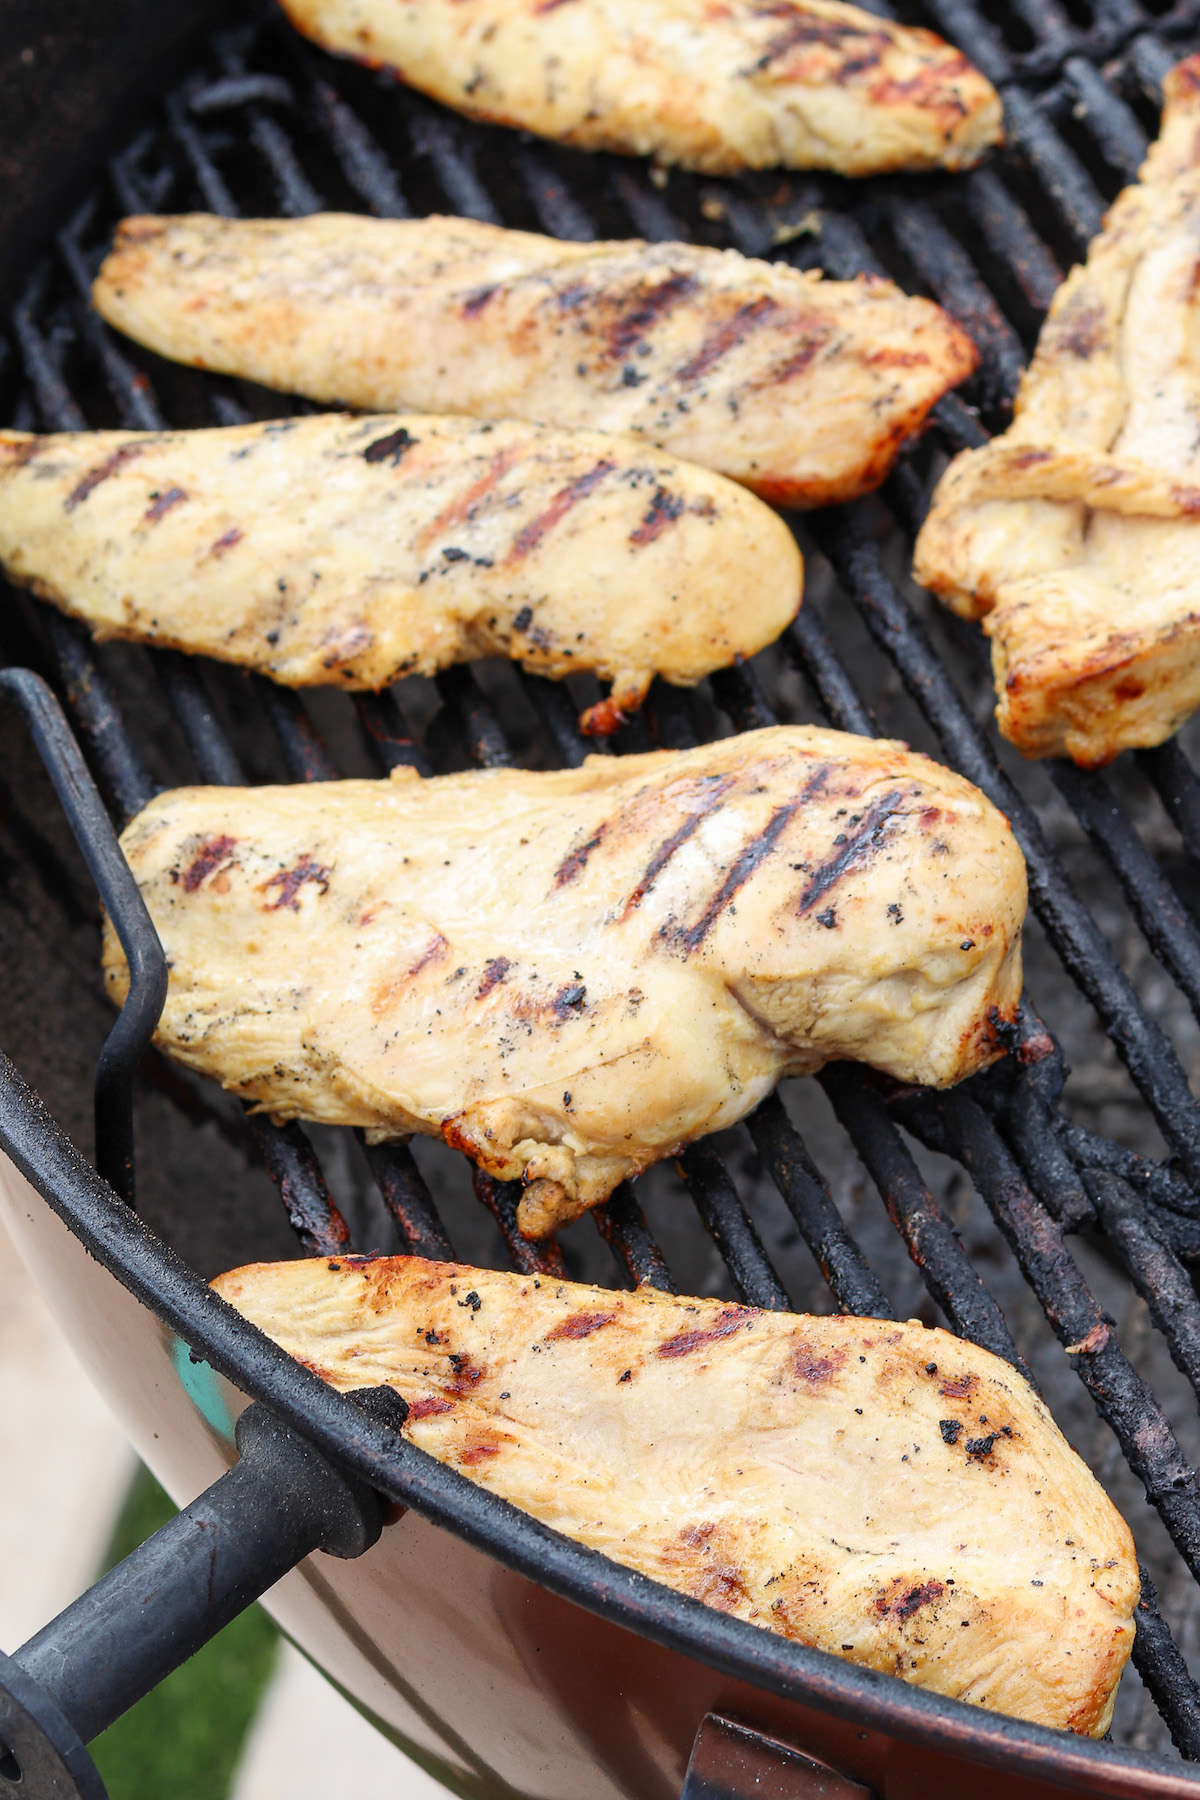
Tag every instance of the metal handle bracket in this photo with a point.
(278, 1503)
(731, 1761)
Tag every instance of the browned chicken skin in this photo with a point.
(1076, 535)
(802, 389)
(881, 1491)
(571, 975)
(718, 86)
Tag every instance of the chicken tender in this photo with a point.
(1076, 536)
(351, 551)
(803, 389)
(572, 974)
(748, 84)
(884, 1492)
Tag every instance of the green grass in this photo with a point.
(183, 1741)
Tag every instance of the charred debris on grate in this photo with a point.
(267, 126)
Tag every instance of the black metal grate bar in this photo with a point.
(954, 1123)
(294, 1168)
(947, 270)
(932, 1240)
(475, 722)
(806, 1194)
(119, 771)
(622, 1224)
(1113, 125)
(729, 1226)
(1161, 1665)
(409, 1202)
(304, 749)
(388, 734)
(1155, 1271)
(502, 1199)
(1165, 921)
(556, 712)
(214, 756)
(1176, 785)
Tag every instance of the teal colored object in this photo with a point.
(203, 1389)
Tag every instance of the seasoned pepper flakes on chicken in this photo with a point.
(353, 551)
(800, 388)
(881, 1491)
(742, 84)
(1076, 536)
(571, 975)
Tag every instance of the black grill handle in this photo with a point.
(127, 1041)
(278, 1503)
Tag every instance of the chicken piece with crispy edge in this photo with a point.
(571, 975)
(885, 1492)
(747, 84)
(1076, 536)
(802, 389)
(351, 551)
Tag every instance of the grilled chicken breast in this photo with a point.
(571, 975)
(1077, 534)
(809, 84)
(803, 389)
(353, 551)
(884, 1492)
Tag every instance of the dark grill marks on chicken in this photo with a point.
(807, 29)
(493, 975)
(162, 504)
(463, 507)
(92, 480)
(795, 364)
(290, 882)
(727, 337)
(719, 788)
(532, 534)
(575, 863)
(869, 837)
(754, 853)
(685, 1343)
(210, 857)
(662, 512)
(637, 313)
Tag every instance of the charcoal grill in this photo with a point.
(508, 1660)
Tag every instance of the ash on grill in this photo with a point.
(985, 1186)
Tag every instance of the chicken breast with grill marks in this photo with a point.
(571, 975)
(881, 1491)
(1076, 536)
(806, 84)
(803, 389)
(353, 551)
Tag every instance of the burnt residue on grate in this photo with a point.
(1055, 1220)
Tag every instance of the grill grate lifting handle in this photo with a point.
(278, 1503)
(130, 1036)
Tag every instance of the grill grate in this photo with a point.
(266, 126)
